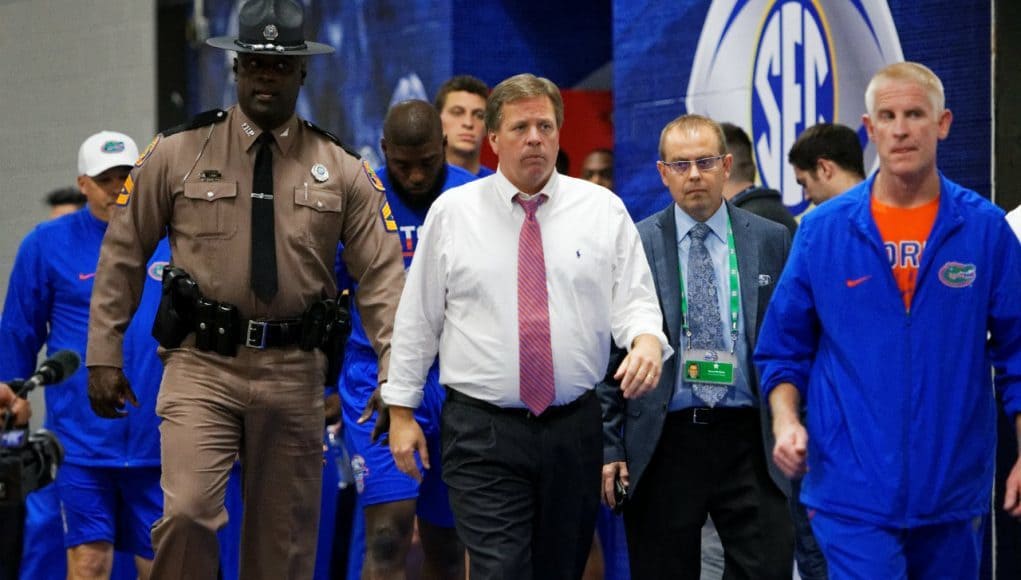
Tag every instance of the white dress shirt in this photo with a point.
(460, 299)
(1014, 221)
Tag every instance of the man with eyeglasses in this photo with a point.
(695, 447)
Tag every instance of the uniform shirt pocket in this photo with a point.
(207, 210)
(320, 211)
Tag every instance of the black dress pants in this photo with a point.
(717, 467)
(524, 490)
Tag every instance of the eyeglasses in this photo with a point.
(683, 166)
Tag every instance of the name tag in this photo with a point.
(709, 366)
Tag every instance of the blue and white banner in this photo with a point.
(773, 67)
(776, 67)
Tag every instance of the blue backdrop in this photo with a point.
(771, 66)
(391, 50)
(736, 59)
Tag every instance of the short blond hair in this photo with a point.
(911, 72)
(691, 122)
(516, 88)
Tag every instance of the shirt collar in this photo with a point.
(92, 220)
(716, 222)
(248, 131)
(506, 190)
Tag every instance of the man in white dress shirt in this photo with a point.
(520, 281)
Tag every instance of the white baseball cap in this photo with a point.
(104, 150)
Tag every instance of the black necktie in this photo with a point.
(264, 254)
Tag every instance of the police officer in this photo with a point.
(255, 201)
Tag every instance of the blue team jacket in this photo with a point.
(901, 413)
(48, 303)
(360, 361)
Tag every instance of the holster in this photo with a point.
(335, 336)
(175, 316)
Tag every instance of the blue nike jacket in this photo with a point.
(48, 303)
(901, 414)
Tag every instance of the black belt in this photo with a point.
(550, 412)
(711, 416)
(261, 334)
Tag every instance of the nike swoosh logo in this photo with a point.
(852, 283)
(84, 277)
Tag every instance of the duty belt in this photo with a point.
(218, 327)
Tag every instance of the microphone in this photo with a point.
(55, 369)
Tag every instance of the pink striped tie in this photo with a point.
(536, 351)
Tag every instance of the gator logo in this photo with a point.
(113, 146)
(957, 275)
(156, 270)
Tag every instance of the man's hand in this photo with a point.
(1012, 493)
(109, 392)
(331, 409)
(19, 408)
(375, 405)
(611, 472)
(406, 438)
(791, 450)
(639, 372)
(790, 453)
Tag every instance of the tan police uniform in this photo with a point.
(268, 404)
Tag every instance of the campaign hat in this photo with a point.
(271, 27)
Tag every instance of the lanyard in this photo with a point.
(735, 292)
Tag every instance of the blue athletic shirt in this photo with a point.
(48, 304)
(359, 351)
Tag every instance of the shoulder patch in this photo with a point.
(148, 150)
(388, 216)
(203, 119)
(331, 137)
(373, 178)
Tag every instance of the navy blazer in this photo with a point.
(631, 428)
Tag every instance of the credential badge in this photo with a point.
(320, 173)
(270, 32)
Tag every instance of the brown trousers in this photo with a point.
(265, 407)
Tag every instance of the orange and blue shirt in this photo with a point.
(901, 413)
(904, 232)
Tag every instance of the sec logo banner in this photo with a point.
(776, 68)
